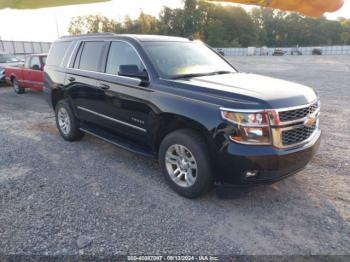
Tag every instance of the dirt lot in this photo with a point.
(93, 198)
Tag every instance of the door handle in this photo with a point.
(71, 79)
(104, 86)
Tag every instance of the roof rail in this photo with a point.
(91, 34)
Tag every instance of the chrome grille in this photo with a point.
(297, 135)
(296, 114)
(296, 125)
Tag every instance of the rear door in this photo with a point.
(81, 78)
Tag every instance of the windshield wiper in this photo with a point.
(189, 75)
(201, 74)
(222, 72)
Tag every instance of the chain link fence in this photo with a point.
(23, 48)
(252, 51)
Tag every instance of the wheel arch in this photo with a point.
(56, 95)
(167, 123)
(12, 78)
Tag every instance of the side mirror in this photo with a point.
(132, 71)
(36, 67)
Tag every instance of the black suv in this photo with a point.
(179, 101)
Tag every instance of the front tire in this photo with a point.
(185, 161)
(17, 87)
(66, 122)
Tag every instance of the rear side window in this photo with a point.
(121, 53)
(90, 56)
(57, 53)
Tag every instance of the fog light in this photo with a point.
(250, 174)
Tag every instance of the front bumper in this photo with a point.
(271, 164)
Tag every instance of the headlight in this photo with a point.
(2, 71)
(249, 128)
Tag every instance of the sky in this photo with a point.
(40, 24)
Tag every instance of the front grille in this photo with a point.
(297, 135)
(291, 115)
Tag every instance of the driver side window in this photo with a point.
(35, 63)
(121, 53)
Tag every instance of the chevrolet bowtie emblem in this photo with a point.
(310, 121)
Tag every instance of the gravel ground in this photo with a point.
(90, 197)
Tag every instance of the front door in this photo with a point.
(33, 75)
(124, 102)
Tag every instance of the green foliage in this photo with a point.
(345, 37)
(93, 24)
(225, 26)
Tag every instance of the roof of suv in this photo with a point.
(142, 38)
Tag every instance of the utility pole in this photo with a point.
(56, 23)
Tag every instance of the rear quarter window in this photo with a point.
(57, 53)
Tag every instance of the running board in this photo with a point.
(116, 140)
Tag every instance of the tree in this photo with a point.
(171, 21)
(148, 24)
(92, 24)
(345, 37)
(225, 26)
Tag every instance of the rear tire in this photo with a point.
(17, 87)
(185, 161)
(66, 122)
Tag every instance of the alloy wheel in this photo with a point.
(16, 86)
(181, 165)
(64, 121)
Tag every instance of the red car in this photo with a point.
(30, 75)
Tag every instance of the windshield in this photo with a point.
(181, 59)
(7, 58)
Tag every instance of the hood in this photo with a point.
(267, 91)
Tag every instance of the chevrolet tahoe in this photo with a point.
(179, 101)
